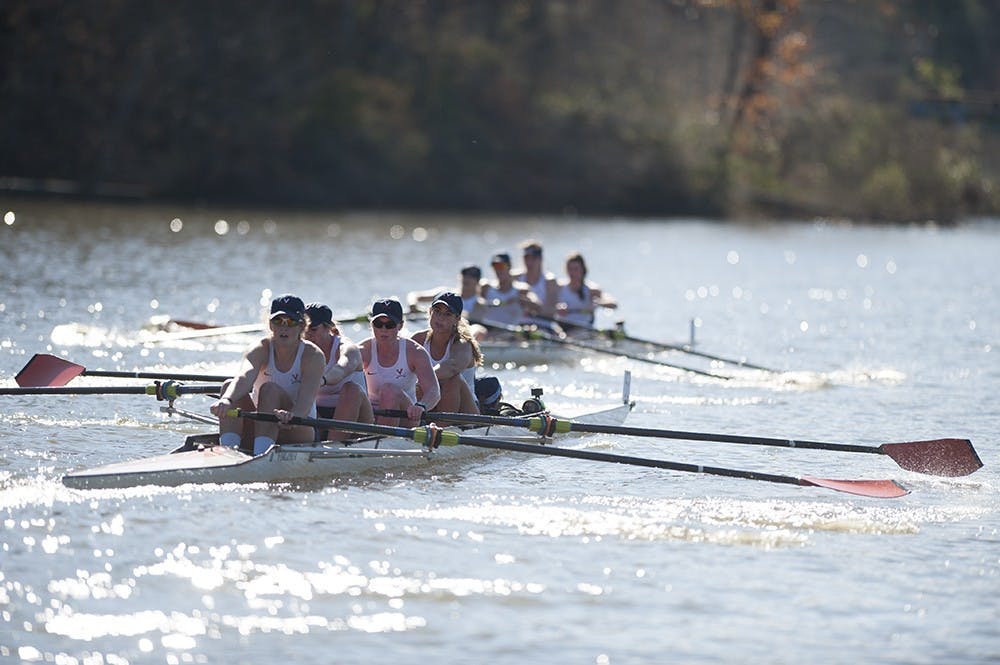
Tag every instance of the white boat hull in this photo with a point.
(202, 460)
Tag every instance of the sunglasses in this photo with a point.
(284, 322)
(315, 326)
(383, 323)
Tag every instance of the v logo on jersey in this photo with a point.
(400, 372)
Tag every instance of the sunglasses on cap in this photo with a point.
(284, 322)
(383, 322)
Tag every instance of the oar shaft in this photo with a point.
(155, 375)
(682, 348)
(539, 335)
(622, 430)
(939, 457)
(875, 488)
(106, 390)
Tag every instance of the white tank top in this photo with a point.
(503, 306)
(468, 374)
(399, 374)
(288, 381)
(539, 289)
(329, 395)
(575, 304)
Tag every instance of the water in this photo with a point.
(880, 334)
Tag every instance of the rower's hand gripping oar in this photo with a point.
(534, 334)
(47, 370)
(938, 457)
(433, 436)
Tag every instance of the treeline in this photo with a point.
(880, 110)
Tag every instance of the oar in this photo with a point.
(938, 457)
(613, 333)
(431, 436)
(207, 332)
(165, 390)
(47, 370)
(530, 334)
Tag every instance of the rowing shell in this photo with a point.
(202, 460)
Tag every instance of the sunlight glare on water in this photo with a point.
(872, 336)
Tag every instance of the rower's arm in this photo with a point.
(312, 365)
(420, 364)
(348, 363)
(242, 383)
(458, 360)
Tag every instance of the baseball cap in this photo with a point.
(318, 314)
(288, 305)
(387, 307)
(452, 300)
(501, 257)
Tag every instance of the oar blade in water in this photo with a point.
(939, 457)
(47, 370)
(876, 489)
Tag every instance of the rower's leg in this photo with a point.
(237, 432)
(271, 396)
(352, 405)
(390, 397)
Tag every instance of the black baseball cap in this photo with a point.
(318, 314)
(288, 305)
(452, 300)
(387, 307)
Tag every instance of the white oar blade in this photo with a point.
(47, 370)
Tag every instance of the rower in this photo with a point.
(542, 284)
(396, 366)
(280, 374)
(507, 301)
(578, 297)
(343, 394)
(454, 351)
(470, 286)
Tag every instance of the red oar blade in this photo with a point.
(876, 489)
(47, 370)
(940, 457)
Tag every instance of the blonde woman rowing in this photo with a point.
(280, 374)
(455, 353)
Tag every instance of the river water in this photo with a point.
(878, 335)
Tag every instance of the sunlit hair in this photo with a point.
(464, 332)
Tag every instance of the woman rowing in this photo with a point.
(280, 374)
(542, 284)
(470, 287)
(508, 303)
(396, 366)
(579, 298)
(343, 394)
(455, 353)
